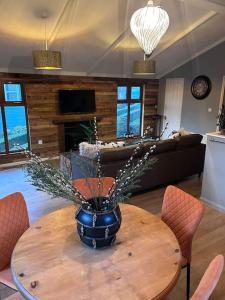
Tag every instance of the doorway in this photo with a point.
(174, 92)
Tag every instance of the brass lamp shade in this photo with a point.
(47, 60)
(144, 67)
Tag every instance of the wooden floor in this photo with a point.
(209, 239)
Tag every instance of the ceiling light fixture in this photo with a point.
(47, 59)
(144, 67)
(148, 25)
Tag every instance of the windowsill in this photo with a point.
(131, 138)
(21, 163)
(9, 158)
(19, 153)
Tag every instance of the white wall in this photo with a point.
(195, 116)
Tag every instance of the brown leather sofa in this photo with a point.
(177, 158)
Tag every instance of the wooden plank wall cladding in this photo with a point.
(151, 101)
(43, 112)
(42, 101)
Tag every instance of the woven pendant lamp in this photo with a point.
(144, 67)
(47, 59)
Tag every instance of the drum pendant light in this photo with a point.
(144, 67)
(47, 59)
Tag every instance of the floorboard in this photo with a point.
(209, 239)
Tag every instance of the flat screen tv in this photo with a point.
(76, 101)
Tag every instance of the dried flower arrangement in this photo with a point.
(50, 179)
(221, 119)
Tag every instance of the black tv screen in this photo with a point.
(76, 101)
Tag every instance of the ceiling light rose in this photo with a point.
(47, 59)
(148, 25)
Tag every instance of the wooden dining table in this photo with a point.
(49, 261)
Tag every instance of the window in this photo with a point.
(12, 92)
(2, 138)
(13, 119)
(129, 110)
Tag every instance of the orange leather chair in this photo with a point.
(209, 279)
(182, 213)
(13, 222)
(15, 296)
(92, 187)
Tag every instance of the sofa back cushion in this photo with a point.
(123, 153)
(188, 141)
(161, 146)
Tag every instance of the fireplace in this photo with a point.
(74, 134)
(70, 131)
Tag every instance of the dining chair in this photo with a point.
(182, 213)
(15, 296)
(92, 187)
(209, 279)
(13, 223)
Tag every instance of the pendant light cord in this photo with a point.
(46, 41)
(44, 17)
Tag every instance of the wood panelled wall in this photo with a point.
(43, 112)
(151, 101)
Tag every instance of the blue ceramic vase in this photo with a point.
(98, 229)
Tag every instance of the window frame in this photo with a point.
(130, 101)
(4, 103)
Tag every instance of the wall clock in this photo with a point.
(201, 87)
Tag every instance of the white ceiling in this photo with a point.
(95, 38)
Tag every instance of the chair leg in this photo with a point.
(188, 281)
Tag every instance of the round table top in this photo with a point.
(49, 261)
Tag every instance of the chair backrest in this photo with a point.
(209, 279)
(90, 187)
(182, 213)
(13, 222)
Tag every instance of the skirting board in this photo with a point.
(213, 205)
(23, 162)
